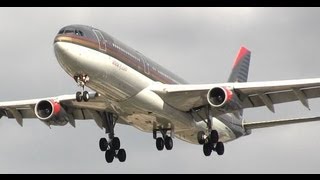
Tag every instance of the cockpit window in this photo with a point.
(61, 31)
(79, 33)
(71, 31)
(68, 31)
(76, 30)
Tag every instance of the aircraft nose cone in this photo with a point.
(66, 57)
(63, 53)
(59, 50)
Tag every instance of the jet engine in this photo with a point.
(223, 98)
(51, 112)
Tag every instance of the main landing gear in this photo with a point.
(111, 146)
(210, 142)
(164, 141)
(81, 81)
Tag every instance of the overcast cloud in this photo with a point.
(198, 44)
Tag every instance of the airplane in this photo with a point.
(128, 88)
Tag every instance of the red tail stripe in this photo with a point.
(242, 52)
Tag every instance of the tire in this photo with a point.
(122, 155)
(103, 144)
(168, 143)
(115, 143)
(220, 148)
(109, 156)
(78, 96)
(86, 96)
(207, 149)
(200, 136)
(160, 144)
(214, 136)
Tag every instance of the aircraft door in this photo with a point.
(146, 65)
(101, 40)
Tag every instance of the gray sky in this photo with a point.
(198, 44)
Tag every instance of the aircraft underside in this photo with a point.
(140, 108)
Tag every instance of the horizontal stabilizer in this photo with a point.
(265, 124)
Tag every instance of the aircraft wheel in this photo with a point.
(168, 142)
(115, 143)
(214, 136)
(200, 136)
(86, 96)
(109, 155)
(122, 155)
(78, 96)
(207, 149)
(159, 144)
(103, 144)
(220, 148)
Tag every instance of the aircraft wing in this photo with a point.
(22, 109)
(265, 124)
(250, 94)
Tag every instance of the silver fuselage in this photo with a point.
(128, 91)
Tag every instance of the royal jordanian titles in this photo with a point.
(129, 88)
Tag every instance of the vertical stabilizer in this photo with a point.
(240, 67)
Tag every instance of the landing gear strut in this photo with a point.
(164, 141)
(81, 81)
(111, 146)
(211, 141)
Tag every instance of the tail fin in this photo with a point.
(240, 68)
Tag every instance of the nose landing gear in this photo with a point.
(81, 80)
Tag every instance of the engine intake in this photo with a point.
(47, 109)
(223, 99)
(218, 96)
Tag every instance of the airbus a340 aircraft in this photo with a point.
(130, 89)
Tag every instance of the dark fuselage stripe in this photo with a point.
(118, 54)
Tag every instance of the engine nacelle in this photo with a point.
(51, 112)
(223, 98)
